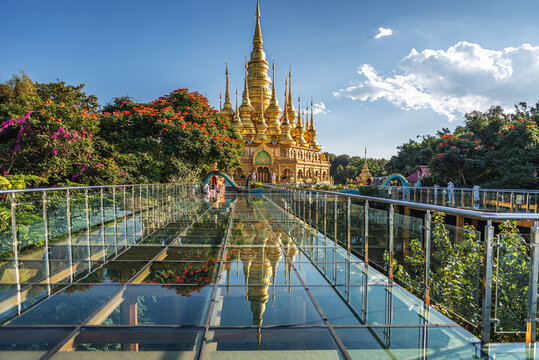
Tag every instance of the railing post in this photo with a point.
(126, 237)
(366, 232)
(316, 221)
(497, 201)
(511, 202)
(147, 210)
(87, 218)
(427, 224)
(532, 288)
(390, 225)
(325, 215)
(69, 243)
(103, 236)
(46, 242)
(133, 214)
(487, 283)
(15, 250)
(336, 240)
(304, 217)
(114, 219)
(348, 224)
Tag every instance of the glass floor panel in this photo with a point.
(222, 280)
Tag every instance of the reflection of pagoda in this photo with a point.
(260, 255)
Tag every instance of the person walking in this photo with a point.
(450, 198)
(476, 196)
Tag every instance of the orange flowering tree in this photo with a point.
(491, 149)
(176, 137)
(459, 158)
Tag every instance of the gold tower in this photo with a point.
(278, 146)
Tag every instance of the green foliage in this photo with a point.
(344, 168)
(176, 136)
(369, 190)
(511, 278)
(50, 132)
(491, 149)
(255, 185)
(20, 181)
(57, 132)
(455, 265)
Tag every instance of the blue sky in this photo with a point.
(468, 55)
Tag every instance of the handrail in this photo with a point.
(464, 189)
(448, 210)
(11, 191)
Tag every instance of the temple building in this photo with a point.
(365, 177)
(279, 145)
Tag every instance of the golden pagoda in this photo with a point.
(278, 146)
(365, 177)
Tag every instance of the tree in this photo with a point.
(175, 137)
(410, 155)
(52, 139)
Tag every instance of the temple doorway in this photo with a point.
(263, 175)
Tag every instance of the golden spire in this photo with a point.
(274, 111)
(314, 143)
(246, 109)
(290, 104)
(286, 138)
(257, 38)
(300, 140)
(236, 122)
(261, 126)
(306, 126)
(258, 78)
(227, 111)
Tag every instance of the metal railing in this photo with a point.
(70, 229)
(493, 200)
(486, 281)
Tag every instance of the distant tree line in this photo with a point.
(345, 167)
(494, 149)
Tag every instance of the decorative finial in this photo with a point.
(290, 82)
(257, 38)
(273, 76)
(227, 94)
(312, 114)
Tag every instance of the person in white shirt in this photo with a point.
(476, 196)
(450, 198)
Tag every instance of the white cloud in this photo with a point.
(383, 32)
(320, 108)
(451, 82)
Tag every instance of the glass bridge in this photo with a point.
(161, 271)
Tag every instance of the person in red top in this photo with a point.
(214, 182)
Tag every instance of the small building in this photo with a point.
(419, 173)
(365, 177)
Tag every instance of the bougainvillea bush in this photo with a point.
(51, 132)
(176, 137)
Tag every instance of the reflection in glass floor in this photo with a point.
(222, 280)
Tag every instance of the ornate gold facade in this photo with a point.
(279, 145)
